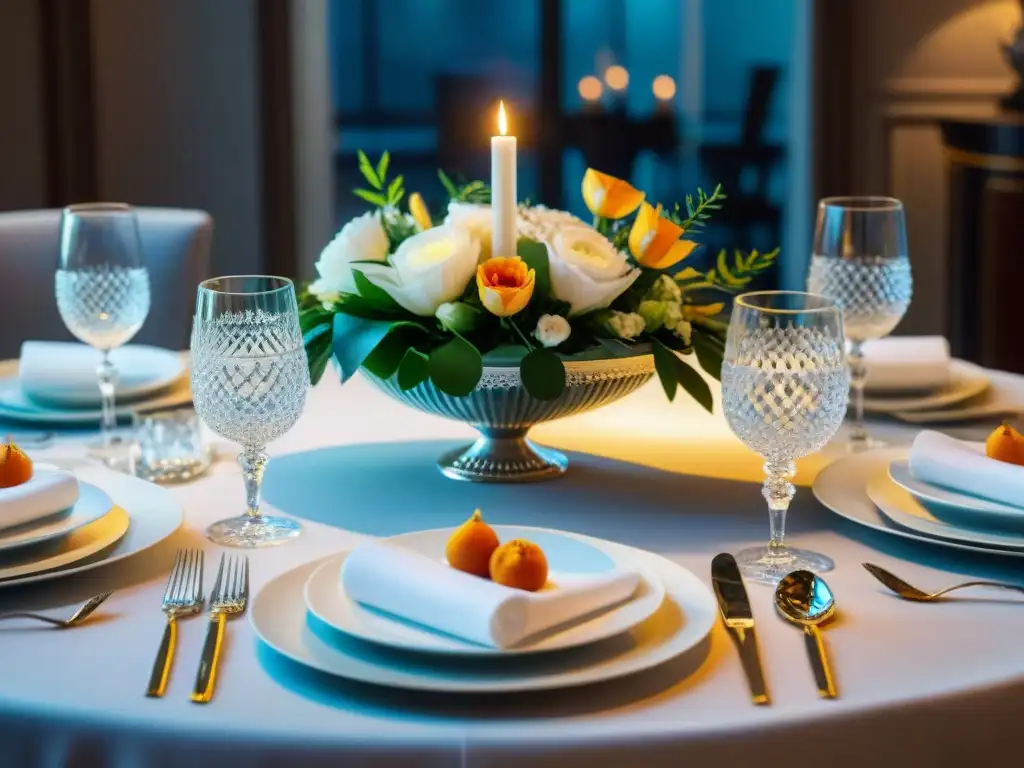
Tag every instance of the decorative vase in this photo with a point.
(503, 411)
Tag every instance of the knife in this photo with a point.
(735, 607)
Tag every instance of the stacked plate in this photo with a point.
(55, 384)
(115, 516)
(306, 616)
(962, 394)
(877, 489)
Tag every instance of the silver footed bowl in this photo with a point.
(503, 411)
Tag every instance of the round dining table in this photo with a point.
(919, 684)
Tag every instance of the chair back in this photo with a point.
(759, 98)
(176, 250)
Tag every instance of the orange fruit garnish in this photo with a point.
(1005, 444)
(519, 564)
(15, 465)
(469, 548)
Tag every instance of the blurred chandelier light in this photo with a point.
(590, 88)
(664, 87)
(616, 77)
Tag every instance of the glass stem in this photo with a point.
(107, 376)
(858, 378)
(253, 461)
(778, 492)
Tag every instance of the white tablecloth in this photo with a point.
(935, 685)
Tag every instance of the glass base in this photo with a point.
(252, 532)
(767, 566)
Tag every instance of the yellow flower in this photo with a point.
(609, 197)
(419, 211)
(691, 311)
(654, 240)
(505, 285)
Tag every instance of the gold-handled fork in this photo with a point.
(229, 598)
(182, 597)
(908, 592)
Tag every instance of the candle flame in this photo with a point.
(502, 119)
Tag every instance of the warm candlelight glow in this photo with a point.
(502, 119)
(617, 77)
(664, 87)
(590, 88)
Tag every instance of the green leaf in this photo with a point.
(368, 171)
(413, 370)
(456, 367)
(694, 384)
(382, 166)
(373, 198)
(395, 190)
(373, 293)
(354, 339)
(318, 355)
(449, 187)
(543, 374)
(536, 257)
(665, 365)
(617, 347)
(315, 333)
(709, 353)
(506, 354)
(385, 358)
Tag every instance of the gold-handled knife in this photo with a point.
(739, 621)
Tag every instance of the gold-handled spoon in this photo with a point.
(806, 600)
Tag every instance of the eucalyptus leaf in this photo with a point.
(318, 355)
(536, 257)
(315, 333)
(354, 339)
(695, 385)
(543, 374)
(373, 293)
(709, 354)
(385, 358)
(413, 370)
(665, 365)
(456, 367)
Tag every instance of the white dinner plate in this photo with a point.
(900, 506)
(966, 380)
(956, 508)
(842, 487)
(142, 371)
(15, 406)
(150, 512)
(566, 555)
(279, 619)
(92, 504)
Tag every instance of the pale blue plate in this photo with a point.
(957, 508)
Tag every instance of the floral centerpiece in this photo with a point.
(422, 303)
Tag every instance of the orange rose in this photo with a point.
(609, 197)
(505, 285)
(654, 240)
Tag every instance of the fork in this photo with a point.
(229, 598)
(908, 592)
(84, 611)
(182, 597)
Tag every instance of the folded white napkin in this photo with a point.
(907, 363)
(945, 461)
(65, 371)
(419, 589)
(47, 491)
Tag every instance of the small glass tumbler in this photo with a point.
(168, 446)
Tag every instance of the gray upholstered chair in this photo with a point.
(175, 245)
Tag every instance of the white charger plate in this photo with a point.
(151, 514)
(566, 556)
(15, 406)
(966, 380)
(279, 619)
(900, 506)
(92, 504)
(957, 508)
(142, 371)
(842, 488)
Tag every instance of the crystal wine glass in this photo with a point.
(860, 260)
(102, 289)
(784, 388)
(249, 382)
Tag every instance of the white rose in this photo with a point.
(362, 239)
(474, 218)
(552, 330)
(429, 269)
(540, 223)
(586, 271)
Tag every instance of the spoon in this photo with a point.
(806, 600)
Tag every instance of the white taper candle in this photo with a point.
(503, 189)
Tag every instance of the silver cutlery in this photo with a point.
(229, 597)
(806, 600)
(85, 610)
(739, 621)
(182, 597)
(908, 592)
